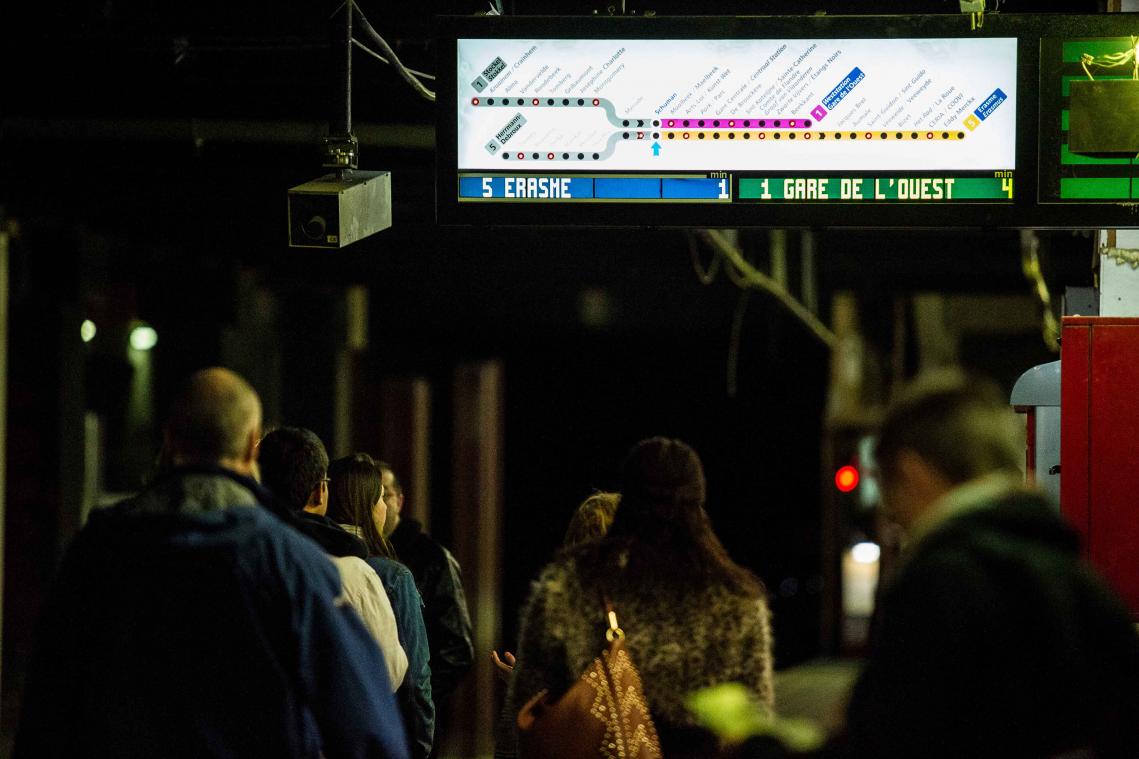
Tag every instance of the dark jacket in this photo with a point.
(189, 622)
(414, 695)
(334, 539)
(445, 614)
(995, 640)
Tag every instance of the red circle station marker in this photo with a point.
(550, 156)
(763, 135)
(929, 135)
(534, 101)
(474, 101)
(521, 156)
(807, 136)
(846, 478)
(686, 135)
(596, 101)
(869, 136)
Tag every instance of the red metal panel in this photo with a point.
(1113, 465)
(1075, 373)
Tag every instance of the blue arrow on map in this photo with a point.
(656, 148)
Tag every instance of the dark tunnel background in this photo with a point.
(146, 181)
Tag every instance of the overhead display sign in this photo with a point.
(844, 113)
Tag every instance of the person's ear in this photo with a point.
(252, 445)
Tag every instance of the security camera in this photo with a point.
(340, 208)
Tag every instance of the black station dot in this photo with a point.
(791, 135)
(960, 135)
(521, 101)
(656, 135)
(656, 123)
(778, 122)
(701, 135)
(671, 135)
(731, 135)
(596, 156)
(700, 123)
(580, 156)
(715, 135)
(565, 101)
(897, 135)
(625, 135)
(913, 135)
(580, 101)
(854, 135)
(715, 123)
(550, 101)
(838, 135)
(883, 135)
(777, 136)
(747, 135)
(625, 122)
(763, 122)
(506, 156)
(490, 102)
(945, 135)
(535, 156)
(565, 156)
(807, 123)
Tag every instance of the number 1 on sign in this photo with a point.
(723, 189)
(766, 194)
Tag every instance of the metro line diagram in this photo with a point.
(728, 129)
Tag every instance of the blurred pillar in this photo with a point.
(476, 515)
(402, 436)
(321, 336)
(3, 413)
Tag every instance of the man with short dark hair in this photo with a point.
(294, 467)
(189, 622)
(993, 638)
(440, 582)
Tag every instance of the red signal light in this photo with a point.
(846, 478)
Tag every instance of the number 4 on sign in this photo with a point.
(1006, 186)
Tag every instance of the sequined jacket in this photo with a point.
(714, 636)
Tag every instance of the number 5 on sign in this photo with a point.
(486, 189)
(1006, 186)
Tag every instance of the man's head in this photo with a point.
(393, 497)
(294, 466)
(216, 419)
(943, 430)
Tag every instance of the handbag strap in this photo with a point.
(614, 631)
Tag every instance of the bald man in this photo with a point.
(189, 621)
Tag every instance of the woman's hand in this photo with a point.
(503, 668)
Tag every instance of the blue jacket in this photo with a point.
(414, 695)
(190, 622)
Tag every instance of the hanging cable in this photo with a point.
(753, 278)
(1030, 265)
(393, 59)
(706, 276)
(382, 59)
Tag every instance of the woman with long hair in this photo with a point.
(693, 618)
(356, 502)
